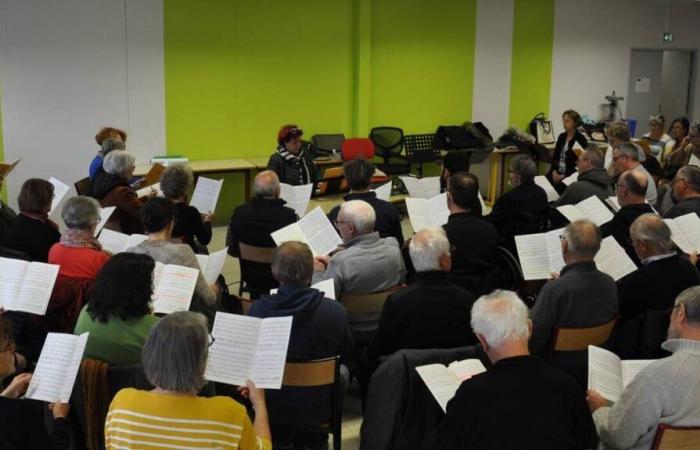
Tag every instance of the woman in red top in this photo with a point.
(78, 253)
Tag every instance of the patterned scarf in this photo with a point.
(74, 238)
(294, 159)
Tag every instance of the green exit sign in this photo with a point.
(668, 37)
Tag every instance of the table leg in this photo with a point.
(246, 180)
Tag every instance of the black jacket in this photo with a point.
(514, 212)
(594, 182)
(474, 256)
(619, 226)
(290, 172)
(319, 330)
(520, 403)
(683, 207)
(570, 156)
(7, 218)
(32, 236)
(431, 312)
(253, 223)
(22, 427)
(189, 224)
(388, 221)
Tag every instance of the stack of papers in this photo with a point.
(297, 197)
(314, 229)
(427, 213)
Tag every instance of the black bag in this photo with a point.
(454, 137)
(542, 129)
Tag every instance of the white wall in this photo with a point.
(593, 41)
(69, 67)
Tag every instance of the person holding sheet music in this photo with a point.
(158, 216)
(292, 164)
(108, 139)
(33, 232)
(630, 194)
(172, 414)
(580, 296)
(191, 226)
(520, 402)
(358, 173)
(686, 191)
(319, 330)
(564, 158)
(651, 290)
(453, 162)
(21, 421)
(626, 157)
(119, 316)
(592, 179)
(111, 188)
(664, 392)
(523, 209)
(79, 254)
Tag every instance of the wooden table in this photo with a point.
(260, 162)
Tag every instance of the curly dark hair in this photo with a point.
(157, 214)
(123, 288)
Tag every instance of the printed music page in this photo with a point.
(297, 197)
(174, 287)
(206, 194)
(57, 368)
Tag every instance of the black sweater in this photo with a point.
(570, 156)
(32, 236)
(22, 427)
(520, 403)
(189, 224)
(619, 226)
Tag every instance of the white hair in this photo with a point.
(118, 162)
(426, 248)
(500, 316)
(360, 214)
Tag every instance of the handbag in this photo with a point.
(542, 129)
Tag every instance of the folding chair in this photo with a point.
(676, 438)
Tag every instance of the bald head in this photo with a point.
(293, 264)
(266, 185)
(582, 241)
(653, 233)
(359, 215)
(632, 187)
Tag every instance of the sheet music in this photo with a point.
(689, 226)
(540, 254)
(424, 213)
(320, 234)
(291, 232)
(115, 242)
(325, 286)
(571, 212)
(57, 368)
(212, 265)
(556, 258)
(632, 367)
(613, 259)
(465, 369)
(614, 203)
(105, 214)
(694, 160)
(424, 188)
(35, 289)
(206, 194)
(594, 210)
(384, 191)
(144, 191)
(11, 277)
(571, 178)
(544, 183)
(174, 287)
(604, 373)
(438, 210)
(440, 382)
(59, 191)
(297, 197)
(271, 352)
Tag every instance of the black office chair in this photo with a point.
(388, 144)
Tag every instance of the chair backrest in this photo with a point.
(328, 142)
(511, 273)
(333, 181)
(82, 186)
(676, 438)
(321, 372)
(354, 147)
(388, 141)
(576, 339)
(256, 254)
(365, 303)
(68, 297)
(256, 270)
(421, 147)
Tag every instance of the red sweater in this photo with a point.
(77, 262)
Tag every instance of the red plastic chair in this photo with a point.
(354, 147)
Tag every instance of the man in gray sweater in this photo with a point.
(593, 179)
(667, 391)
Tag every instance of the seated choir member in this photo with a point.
(358, 173)
(564, 158)
(190, 223)
(172, 415)
(592, 180)
(526, 203)
(662, 275)
(33, 232)
(679, 154)
(111, 188)
(108, 139)
(319, 330)
(630, 194)
(158, 218)
(432, 311)
(686, 191)
(580, 296)
(474, 240)
(666, 391)
(7, 214)
(292, 164)
(79, 254)
(22, 421)
(626, 157)
(119, 315)
(659, 142)
(454, 161)
(520, 402)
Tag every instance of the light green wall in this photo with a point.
(531, 71)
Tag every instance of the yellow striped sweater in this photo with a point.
(145, 420)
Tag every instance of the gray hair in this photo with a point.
(595, 156)
(360, 214)
(583, 238)
(658, 119)
(618, 130)
(690, 298)
(118, 162)
(175, 354)
(426, 248)
(293, 264)
(525, 167)
(80, 213)
(176, 180)
(112, 144)
(651, 229)
(500, 316)
(266, 184)
(630, 150)
(691, 174)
